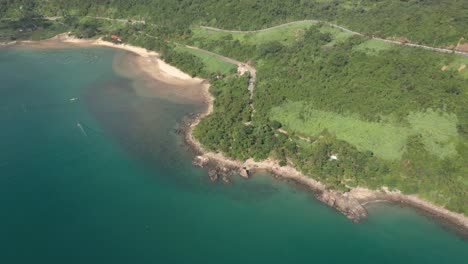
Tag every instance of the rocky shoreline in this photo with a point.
(222, 168)
(351, 204)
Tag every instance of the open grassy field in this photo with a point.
(374, 47)
(438, 131)
(337, 34)
(385, 139)
(286, 34)
(213, 64)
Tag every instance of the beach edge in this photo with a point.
(351, 204)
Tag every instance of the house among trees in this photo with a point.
(116, 38)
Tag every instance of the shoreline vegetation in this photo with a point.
(351, 204)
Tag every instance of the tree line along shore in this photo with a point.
(346, 110)
(351, 204)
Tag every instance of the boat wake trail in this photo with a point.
(81, 129)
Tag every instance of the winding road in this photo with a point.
(122, 20)
(343, 29)
(249, 68)
(252, 70)
(135, 21)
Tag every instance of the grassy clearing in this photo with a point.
(454, 64)
(285, 34)
(373, 47)
(385, 140)
(301, 118)
(438, 131)
(337, 34)
(213, 63)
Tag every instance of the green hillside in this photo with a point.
(434, 22)
(394, 115)
(390, 113)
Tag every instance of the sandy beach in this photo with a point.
(156, 67)
(149, 61)
(351, 204)
(144, 67)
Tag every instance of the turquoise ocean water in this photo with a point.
(92, 172)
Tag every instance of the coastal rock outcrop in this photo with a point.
(348, 206)
(226, 179)
(244, 172)
(200, 161)
(213, 174)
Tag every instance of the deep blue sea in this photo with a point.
(91, 171)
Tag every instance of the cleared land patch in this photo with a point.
(286, 34)
(337, 34)
(385, 140)
(438, 131)
(456, 66)
(212, 63)
(373, 46)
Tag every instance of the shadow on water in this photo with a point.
(125, 190)
(391, 209)
(145, 128)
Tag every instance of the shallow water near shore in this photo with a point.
(91, 171)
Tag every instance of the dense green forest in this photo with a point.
(390, 115)
(433, 22)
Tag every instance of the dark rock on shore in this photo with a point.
(244, 172)
(200, 161)
(215, 170)
(226, 179)
(213, 174)
(349, 204)
(179, 131)
(350, 207)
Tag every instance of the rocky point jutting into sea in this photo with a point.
(351, 204)
(93, 172)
